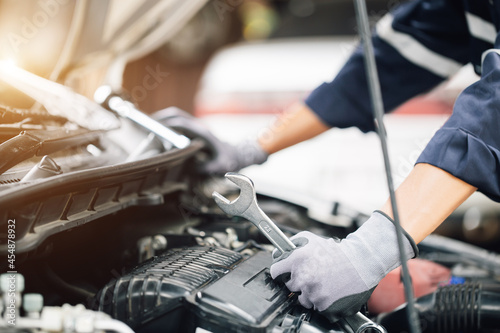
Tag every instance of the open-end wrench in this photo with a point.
(246, 206)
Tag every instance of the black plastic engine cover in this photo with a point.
(181, 290)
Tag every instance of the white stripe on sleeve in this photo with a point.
(485, 53)
(480, 28)
(415, 52)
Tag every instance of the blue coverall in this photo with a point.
(417, 46)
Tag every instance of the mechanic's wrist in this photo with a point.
(407, 235)
(374, 250)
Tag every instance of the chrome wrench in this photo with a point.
(246, 206)
(105, 96)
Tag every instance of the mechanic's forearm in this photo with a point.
(427, 197)
(298, 123)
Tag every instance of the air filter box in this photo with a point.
(197, 287)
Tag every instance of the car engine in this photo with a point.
(107, 224)
(142, 243)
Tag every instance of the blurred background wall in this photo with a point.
(36, 34)
(223, 22)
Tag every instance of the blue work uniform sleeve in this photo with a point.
(468, 144)
(416, 47)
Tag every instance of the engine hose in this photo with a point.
(468, 307)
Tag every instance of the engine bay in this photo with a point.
(184, 266)
(107, 223)
(116, 230)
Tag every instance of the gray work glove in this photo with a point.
(224, 157)
(336, 277)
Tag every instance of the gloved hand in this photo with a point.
(336, 277)
(224, 156)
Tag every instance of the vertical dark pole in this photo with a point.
(378, 107)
